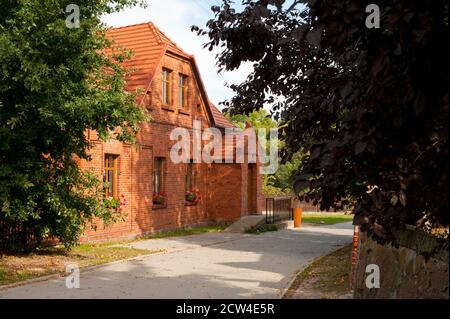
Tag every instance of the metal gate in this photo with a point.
(278, 209)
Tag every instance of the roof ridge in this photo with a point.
(173, 42)
(157, 33)
(154, 29)
(129, 25)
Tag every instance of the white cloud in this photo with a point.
(175, 18)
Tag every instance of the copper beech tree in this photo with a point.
(370, 105)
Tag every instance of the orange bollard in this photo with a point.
(297, 217)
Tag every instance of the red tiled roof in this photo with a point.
(172, 46)
(149, 45)
(147, 49)
(219, 118)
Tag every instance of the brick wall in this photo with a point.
(223, 186)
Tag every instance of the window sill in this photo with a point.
(168, 108)
(159, 206)
(180, 111)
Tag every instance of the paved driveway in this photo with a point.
(214, 265)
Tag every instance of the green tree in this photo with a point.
(56, 83)
(279, 183)
(282, 180)
(257, 119)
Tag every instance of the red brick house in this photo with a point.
(174, 96)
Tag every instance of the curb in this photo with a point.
(286, 290)
(291, 281)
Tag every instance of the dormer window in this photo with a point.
(182, 91)
(166, 86)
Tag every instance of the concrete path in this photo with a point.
(214, 265)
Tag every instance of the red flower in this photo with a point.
(192, 196)
(159, 198)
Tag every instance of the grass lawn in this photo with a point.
(326, 218)
(52, 260)
(326, 277)
(46, 261)
(185, 232)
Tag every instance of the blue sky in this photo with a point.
(174, 18)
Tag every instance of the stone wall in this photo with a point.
(418, 268)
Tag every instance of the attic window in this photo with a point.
(166, 86)
(182, 91)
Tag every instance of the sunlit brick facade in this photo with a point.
(228, 191)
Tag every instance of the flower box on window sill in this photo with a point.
(159, 206)
(190, 203)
